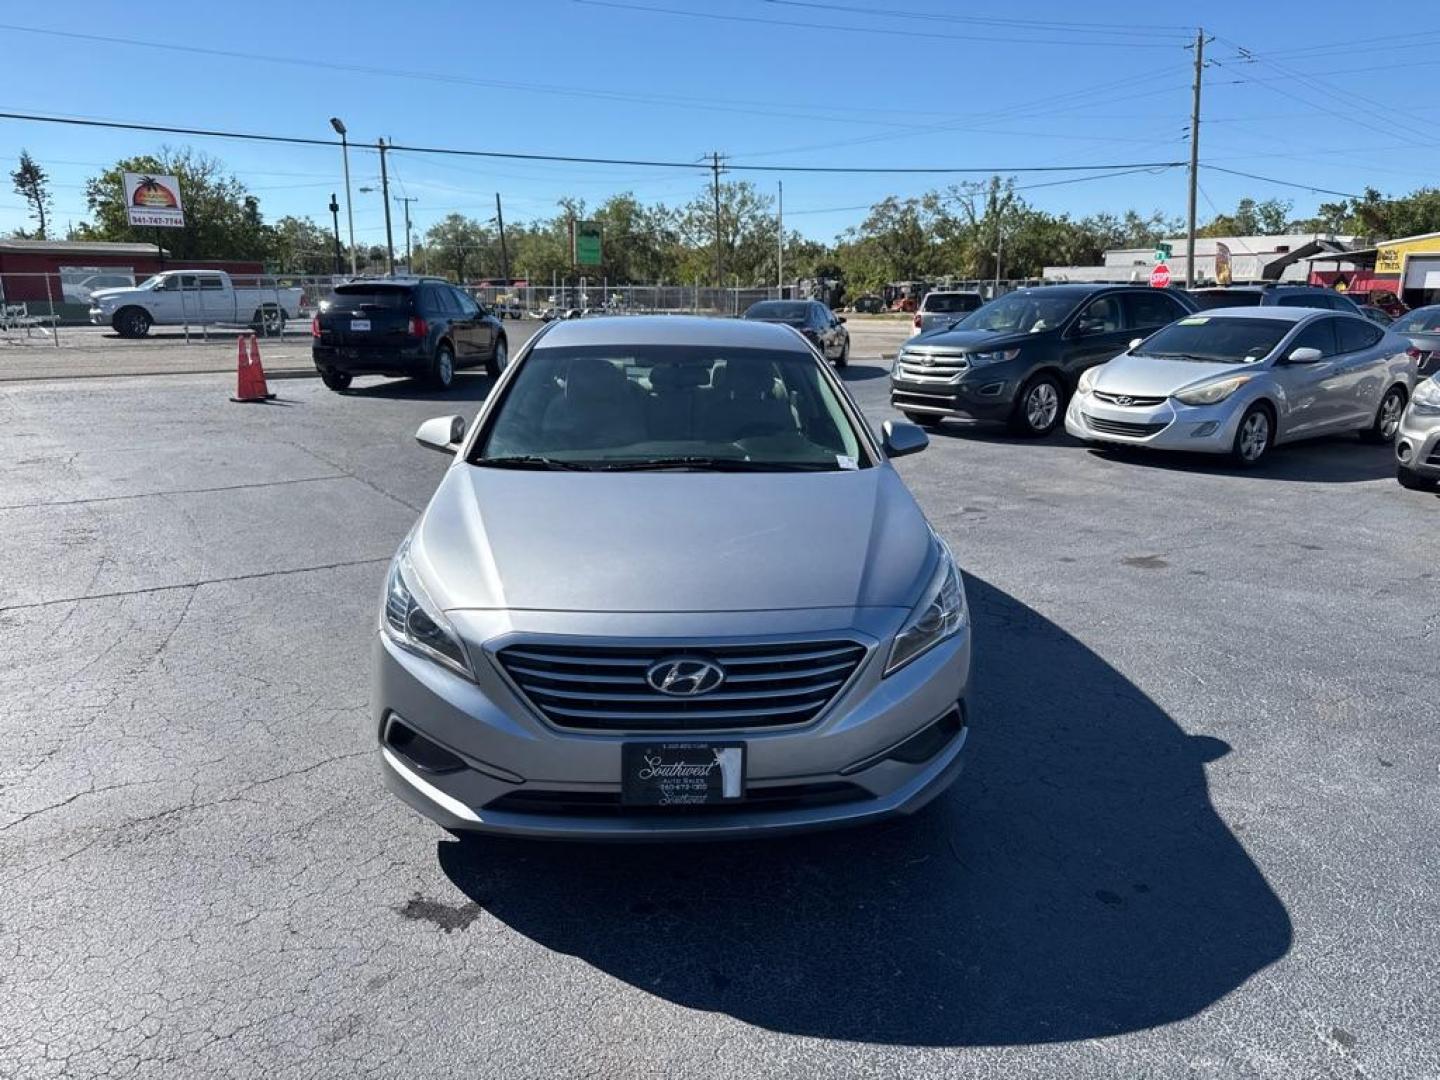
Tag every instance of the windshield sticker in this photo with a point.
(845, 462)
(1194, 320)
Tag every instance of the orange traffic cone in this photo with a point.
(250, 375)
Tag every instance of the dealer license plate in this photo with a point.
(682, 773)
(358, 326)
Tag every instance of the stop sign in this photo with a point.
(1160, 277)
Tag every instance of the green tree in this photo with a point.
(461, 247)
(33, 185)
(298, 245)
(222, 219)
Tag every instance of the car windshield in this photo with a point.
(1213, 298)
(1216, 340)
(356, 297)
(1021, 313)
(779, 310)
(150, 282)
(671, 407)
(946, 302)
(1421, 320)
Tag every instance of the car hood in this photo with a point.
(668, 542)
(121, 290)
(1150, 376)
(970, 340)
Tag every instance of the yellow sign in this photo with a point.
(1387, 260)
(1390, 256)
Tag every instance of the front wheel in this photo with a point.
(270, 321)
(336, 380)
(442, 368)
(844, 358)
(1387, 417)
(496, 364)
(1253, 437)
(131, 322)
(1038, 409)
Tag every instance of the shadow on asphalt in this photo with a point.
(1338, 460)
(467, 387)
(858, 371)
(1076, 883)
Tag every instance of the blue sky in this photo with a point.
(1328, 99)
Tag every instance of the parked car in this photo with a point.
(1378, 315)
(941, 310)
(193, 297)
(1274, 294)
(1422, 328)
(868, 305)
(1239, 381)
(1417, 445)
(817, 323)
(417, 327)
(83, 290)
(613, 621)
(1017, 358)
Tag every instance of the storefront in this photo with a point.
(1408, 267)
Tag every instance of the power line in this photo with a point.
(1183, 32)
(296, 140)
(1283, 183)
(867, 30)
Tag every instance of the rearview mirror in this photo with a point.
(1303, 355)
(442, 433)
(902, 438)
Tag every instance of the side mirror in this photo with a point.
(442, 433)
(1135, 343)
(1303, 355)
(901, 438)
(1089, 328)
(839, 318)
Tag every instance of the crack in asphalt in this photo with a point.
(164, 494)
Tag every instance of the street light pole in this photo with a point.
(407, 200)
(339, 126)
(335, 225)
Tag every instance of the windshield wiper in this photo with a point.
(532, 461)
(715, 464)
(1186, 356)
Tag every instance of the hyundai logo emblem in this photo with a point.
(1122, 399)
(684, 676)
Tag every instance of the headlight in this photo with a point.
(1212, 393)
(980, 359)
(1087, 380)
(940, 614)
(1427, 396)
(413, 621)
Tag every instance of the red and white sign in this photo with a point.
(153, 199)
(1160, 277)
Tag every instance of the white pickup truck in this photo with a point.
(192, 298)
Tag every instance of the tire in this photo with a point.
(1039, 407)
(131, 322)
(268, 320)
(1387, 417)
(501, 356)
(1253, 437)
(442, 368)
(336, 380)
(1413, 481)
(844, 359)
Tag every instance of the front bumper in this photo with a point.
(516, 767)
(1170, 425)
(100, 317)
(1417, 443)
(980, 395)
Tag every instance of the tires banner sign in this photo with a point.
(152, 199)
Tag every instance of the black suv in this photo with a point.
(1273, 294)
(418, 327)
(1017, 359)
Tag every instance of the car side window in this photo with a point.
(1303, 300)
(211, 283)
(1318, 335)
(1355, 335)
(1104, 314)
(1153, 309)
(468, 307)
(438, 300)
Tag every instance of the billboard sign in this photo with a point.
(153, 199)
(588, 237)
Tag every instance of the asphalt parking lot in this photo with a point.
(1197, 835)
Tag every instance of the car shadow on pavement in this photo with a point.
(468, 386)
(860, 371)
(1076, 882)
(1340, 459)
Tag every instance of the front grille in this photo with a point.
(1127, 401)
(603, 687)
(1121, 427)
(608, 804)
(1434, 458)
(912, 367)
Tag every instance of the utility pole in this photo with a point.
(407, 200)
(780, 238)
(719, 258)
(339, 126)
(385, 196)
(504, 253)
(335, 224)
(1194, 157)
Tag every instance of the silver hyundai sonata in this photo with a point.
(670, 587)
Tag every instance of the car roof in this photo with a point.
(953, 292)
(633, 330)
(371, 282)
(1278, 314)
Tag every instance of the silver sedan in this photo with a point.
(671, 586)
(1238, 381)
(1417, 447)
